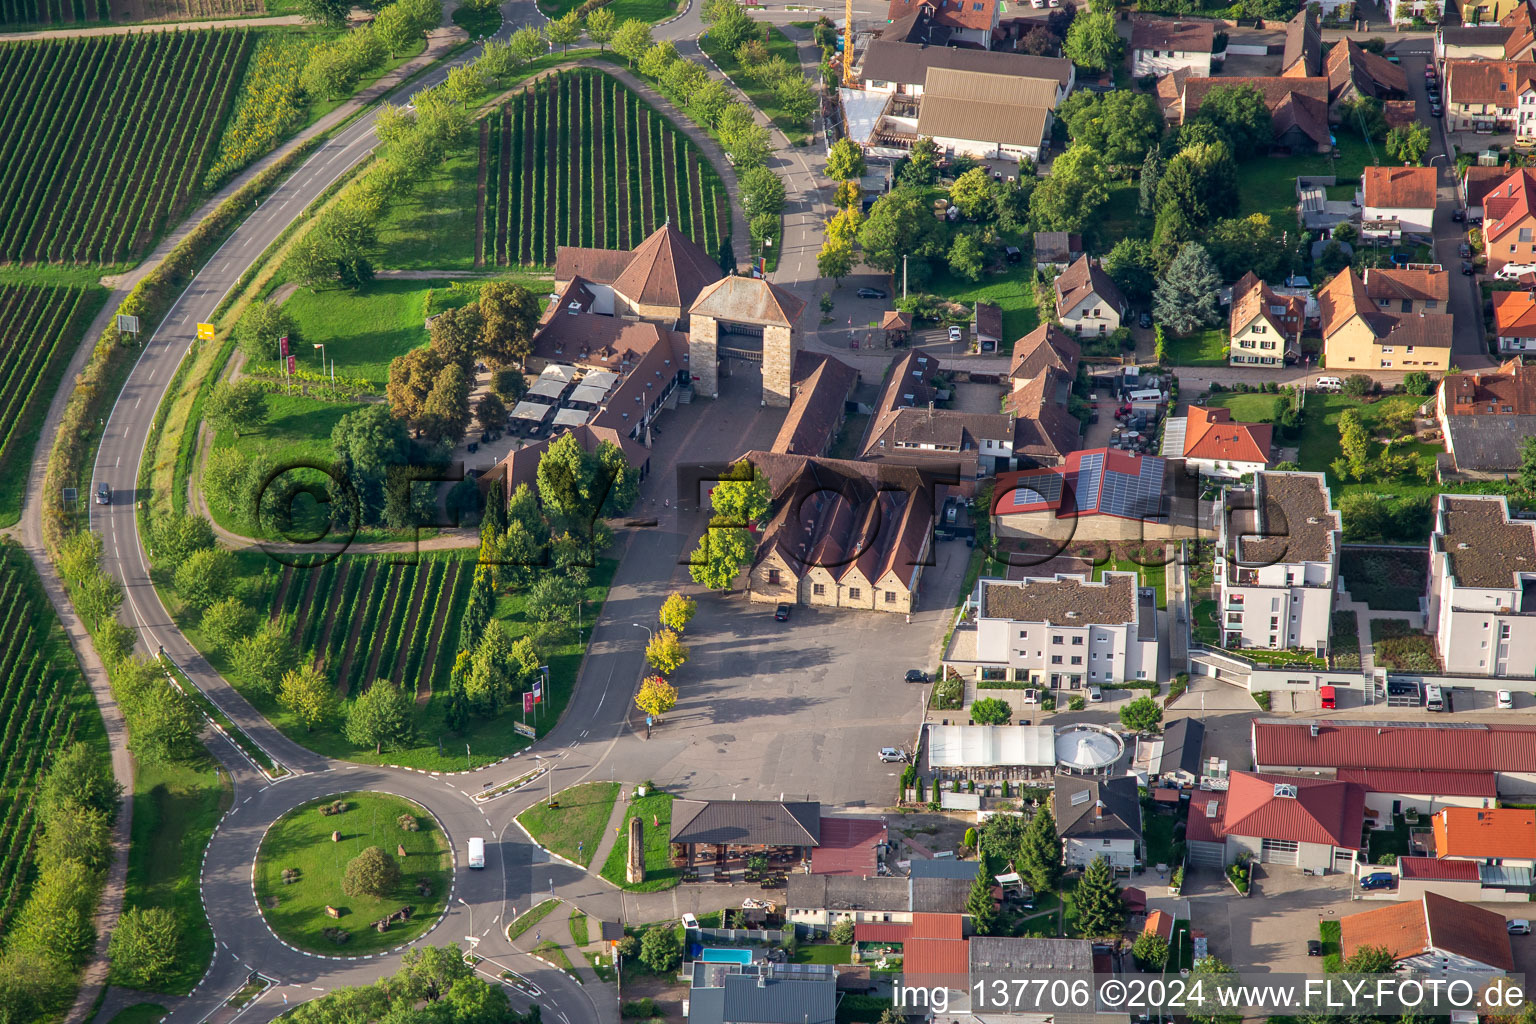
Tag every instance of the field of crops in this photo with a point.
(44, 703)
(34, 321)
(368, 618)
(66, 12)
(577, 159)
(104, 140)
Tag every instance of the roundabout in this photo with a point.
(352, 874)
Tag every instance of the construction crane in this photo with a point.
(848, 43)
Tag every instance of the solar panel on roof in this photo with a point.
(1090, 474)
(1045, 489)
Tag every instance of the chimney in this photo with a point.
(1098, 810)
(761, 981)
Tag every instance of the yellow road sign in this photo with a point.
(205, 332)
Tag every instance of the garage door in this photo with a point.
(1278, 851)
(1211, 854)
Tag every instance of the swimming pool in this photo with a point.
(726, 956)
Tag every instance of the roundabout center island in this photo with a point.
(353, 874)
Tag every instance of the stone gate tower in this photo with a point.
(745, 318)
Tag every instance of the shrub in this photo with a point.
(408, 823)
(1076, 703)
(371, 873)
(643, 1008)
(842, 932)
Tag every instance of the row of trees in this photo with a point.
(434, 985)
(666, 653)
(738, 502)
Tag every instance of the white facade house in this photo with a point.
(1161, 47)
(1312, 824)
(1482, 588)
(1088, 302)
(1066, 633)
(1277, 561)
(1404, 12)
(1433, 936)
(1098, 817)
(1397, 201)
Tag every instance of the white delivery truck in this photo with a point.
(477, 853)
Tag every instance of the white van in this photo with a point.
(1514, 271)
(1329, 384)
(1518, 926)
(1434, 700)
(477, 853)
(1145, 396)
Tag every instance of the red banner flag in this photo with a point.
(527, 703)
(293, 365)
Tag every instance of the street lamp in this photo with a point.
(321, 347)
(650, 634)
(471, 938)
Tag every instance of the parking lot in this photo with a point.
(1268, 932)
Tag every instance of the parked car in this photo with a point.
(1458, 215)
(889, 755)
(1031, 696)
(1435, 109)
(1518, 926)
(1012, 254)
(1095, 695)
(781, 613)
(1467, 268)
(1314, 948)
(1145, 320)
(1464, 250)
(1377, 880)
(104, 494)
(871, 293)
(1506, 699)
(1327, 698)
(916, 675)
(955, 333)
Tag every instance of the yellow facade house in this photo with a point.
(1359, 337)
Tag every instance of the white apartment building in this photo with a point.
(1065, 632)
(1482, 587)
(1277, 560)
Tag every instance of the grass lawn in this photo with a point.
(1269, 183)
(1203, 348)
(175, 808)
(1119, 218)
(141, 1013)
(362, 331)
(601, 966)
(822, 953)
(579, 928)
(523, 922)
(301, 840)
(655, 809)
(1012, 292)
(434, 227)
(436, 747)
(1401, 648)
(763, 97)
(1154, 576)
(552, 952)
(623, 10)
(1392, 840)
(1330, 933)
(1386, 580)
(574, 829)
(1344, 639)
(1203, 620)
(479, 24)
(1157, 829)
(1254, 407)
(1320, 425)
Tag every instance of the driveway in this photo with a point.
(1267, 932)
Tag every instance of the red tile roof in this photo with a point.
(1485, 394)
(964, 14)
(1478, 181)
(1471, 832)
(936, 959)
(1322, 811)
(847, 846)
(874, 931)
(1159, 923)
(1432, 869)
(1205, 814)
(1400, 187)
(1420, 782)
(1514, 314)
(1511, 203)
(1401, 929)
(1492, 82)
(938, 926)
(1434, 923)
(1212, 434)
(1480, 748)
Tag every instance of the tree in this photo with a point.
(371, 873)
(528, 44)
(842, 932)
(205, 576)
(456, 335)
(336, 249)
(464, 83)
(1121, 126)
(1075, 191)
(367, 442)
(381, 714)
(967, 258)
(677, 611)
(55, 922)
(177, 535)
(631, 39)
(1201, 182)
(1239, 245)
(553, 598)
(1370, 960)
(835, 260)
(445, 413)
(491, 412)
(1417, 383)
(260, 329)
(979, 903)
(1150, 950)
(656, 696)
(76, 832)
(325, 12)
(1364, 115)
(226, 622)
(975, 194)
(709, 101)
(1091, 42)
(601, 25)
(762, 191)
(1528, 462)
(991, 711)
(309, 696)
(655, 61)
(236, 406)
(82, 777)
(411, 377)
(1355, 443)
(1002, 836)
(683, 79)
(666, 652)
(1240, 113)
(721, 555)
(922, 166)
(564, 478)
(1186, 299)
(1040, 852)
(1408, 143)
(165, 724)
(744, 139)
(659, 950)
(265, 655)
(797, 98)
(1141, 715)
(1100, 911)
(145, 947)
(845, 161)
(741, 497)
(1130, 265)
(729, 25)
(900, 223)
(564, 30)
(509, 314)
(1151, 173)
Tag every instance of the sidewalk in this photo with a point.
(611, 832)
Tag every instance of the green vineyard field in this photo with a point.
(368, 618)
(577, 159)
(105, 140)
(44, 704)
